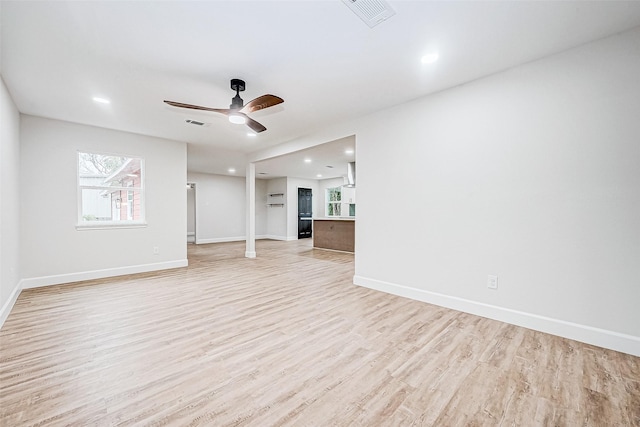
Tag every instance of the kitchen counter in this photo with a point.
(337, 234)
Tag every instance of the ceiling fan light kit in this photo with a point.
(237, 111)
(237, 119)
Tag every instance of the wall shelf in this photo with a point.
(275, 199)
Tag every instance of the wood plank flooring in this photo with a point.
(286, 339)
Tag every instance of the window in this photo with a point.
(333, 198)
(110, 190)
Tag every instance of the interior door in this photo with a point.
(305, 209)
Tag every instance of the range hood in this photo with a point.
(351, 175)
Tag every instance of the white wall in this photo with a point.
(533, 175)
(220, 207)
(52, 249)
(261, 208)
(277, 215)
(9, 202)
(292, 207)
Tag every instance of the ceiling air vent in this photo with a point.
(194, 122)
(372, 12)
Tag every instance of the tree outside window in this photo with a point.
(333, 198)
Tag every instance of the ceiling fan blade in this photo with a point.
(197, 107)
(261, 102)
(255, 126)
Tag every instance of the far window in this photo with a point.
(110, 190)
(333, 199)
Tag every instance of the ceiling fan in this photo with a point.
(237, 111)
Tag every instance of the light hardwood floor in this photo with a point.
(287, 339)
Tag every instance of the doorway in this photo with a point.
(191, 213)
(305, 209)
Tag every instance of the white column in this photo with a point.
(250, 251)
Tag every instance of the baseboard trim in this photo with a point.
(587, 334)
(220, 240)
(242, 238)
(8, 305)
(37, 282)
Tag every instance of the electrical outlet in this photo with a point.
(156, 250)
(492, 282)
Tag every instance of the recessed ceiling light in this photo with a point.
(348, 151)
(430, 58)
(251, 134)
(231, 170)
(319, 175)
(101, 100)
(307, 160)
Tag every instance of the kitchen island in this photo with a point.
(337, 233)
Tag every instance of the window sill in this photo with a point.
(110, 226)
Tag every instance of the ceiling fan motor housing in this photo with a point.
(236, 103)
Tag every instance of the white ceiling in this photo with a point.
(325, 161)
(317, 55)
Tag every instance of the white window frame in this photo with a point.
(81, 224)
(335, 203)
